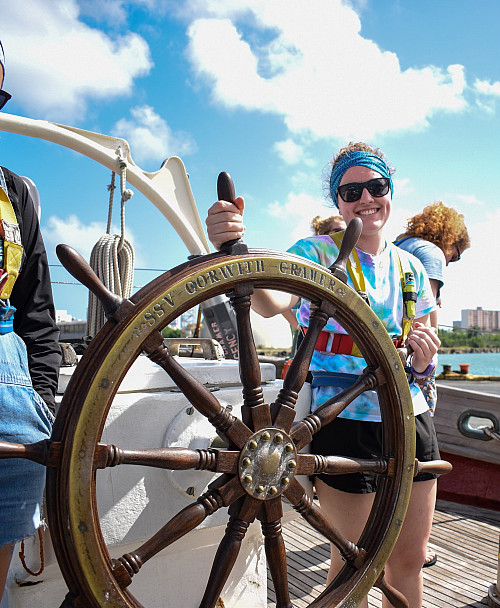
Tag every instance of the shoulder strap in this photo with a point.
(407, 279)
(12, 246)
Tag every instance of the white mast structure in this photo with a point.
(168, 188)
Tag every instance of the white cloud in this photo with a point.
(487, 107)
(308, 63)
(56, 63)
(468, 199)
(289, 152)
(151, 138)
(298, 211)
(82, 237)
(402, 186)
(485, 87)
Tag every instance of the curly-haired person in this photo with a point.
(327, 225)
(437, 236)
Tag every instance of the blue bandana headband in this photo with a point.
(353, 159)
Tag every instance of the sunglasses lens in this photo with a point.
(350, 192)
(378, 187)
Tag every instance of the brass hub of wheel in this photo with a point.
(267, 464)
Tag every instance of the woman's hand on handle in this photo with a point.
(225, 221)
(425, 343)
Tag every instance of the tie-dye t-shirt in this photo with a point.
(383, 286)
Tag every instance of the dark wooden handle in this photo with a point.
(404, 352)
(225, 192)
(351, 236)
(38, 452)
(225, 187)
(438, 467)
(78, 267)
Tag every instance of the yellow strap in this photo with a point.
(409, 305)
(12, 251)
(358, 280)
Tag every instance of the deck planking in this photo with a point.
(465, 539)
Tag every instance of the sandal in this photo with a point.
(430, 558)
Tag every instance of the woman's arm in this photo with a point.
(435, 285)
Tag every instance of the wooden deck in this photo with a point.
(465, 539)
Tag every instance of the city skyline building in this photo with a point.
(480, 318)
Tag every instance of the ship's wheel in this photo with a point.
(264, 454)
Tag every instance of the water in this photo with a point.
(481, 364)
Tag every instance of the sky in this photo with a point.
(267, 90)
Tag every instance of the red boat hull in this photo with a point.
(472, 482)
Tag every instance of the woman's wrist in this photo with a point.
(426, 372)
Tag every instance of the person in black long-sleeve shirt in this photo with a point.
(34, 319)
(29, 359)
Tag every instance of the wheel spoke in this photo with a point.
(197, 394)
(228, 550)
(315, 464)
(44, 452)
(186, 520)
(303, 431)
(304, 505)
(255, 413)
(395, 597)
(176, 459)
(283, 409)
(271, 515)
(437, 467)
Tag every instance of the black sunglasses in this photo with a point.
(4, 98)
(350, 193)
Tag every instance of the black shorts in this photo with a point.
(361, 439)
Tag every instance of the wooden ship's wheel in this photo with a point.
(264, 454)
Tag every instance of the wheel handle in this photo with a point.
(225, 192)
(351, 236)
(78, 267)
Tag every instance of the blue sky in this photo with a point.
(267, 90)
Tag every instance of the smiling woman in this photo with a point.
(399, 293)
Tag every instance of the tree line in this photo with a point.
(473, 337)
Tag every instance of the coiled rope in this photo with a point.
(112, 258)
